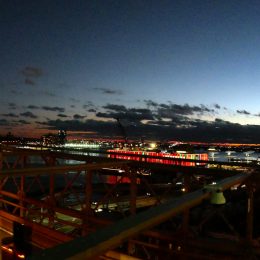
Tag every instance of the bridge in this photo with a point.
(138, 210)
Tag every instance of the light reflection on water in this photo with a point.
(223, 156)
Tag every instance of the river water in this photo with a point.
(219, 156)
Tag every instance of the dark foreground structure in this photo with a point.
(107, 208)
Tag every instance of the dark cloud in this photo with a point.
(109, 91)
(77, 116)
(130, 115)
(32, 107)
(117, 108)
(23, 122)
(161, 121)
(171, 110)
(177, 112)
(243, 112)
(142, 113)
(106, 115)
(190, 130)
(31, 71)
(28, 81)
(62, 115)
(10, 115)
(4, 122)
(58, 109)
(12, 105)
(158, 121)
(28, 114)
(72, 106)
(97, 128)
(151, 103)
(69, 125)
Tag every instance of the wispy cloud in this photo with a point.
(23, 122)
(109, 91)
(28, 81)
(77, 116)
(58, 109)
(10, 115)
(30, 71)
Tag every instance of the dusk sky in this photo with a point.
(170, 70)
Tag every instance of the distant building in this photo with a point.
(62, 136)
(54, 139)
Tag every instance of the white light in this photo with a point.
(153, 145)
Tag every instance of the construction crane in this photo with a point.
(122, 129)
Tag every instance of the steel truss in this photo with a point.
(62, 202)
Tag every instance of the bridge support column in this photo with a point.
(250, 213)
(133, 195)
(21, 195)
(51, 201)
(133, 191)
(87, 211)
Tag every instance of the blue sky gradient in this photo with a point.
(84, 55)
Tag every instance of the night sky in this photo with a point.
(169, 70)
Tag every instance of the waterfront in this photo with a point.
(218, 156)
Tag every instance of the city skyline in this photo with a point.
(167, 69)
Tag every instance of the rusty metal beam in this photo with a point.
(42, 236)
(112, 236)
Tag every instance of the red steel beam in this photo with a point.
(112, 236)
